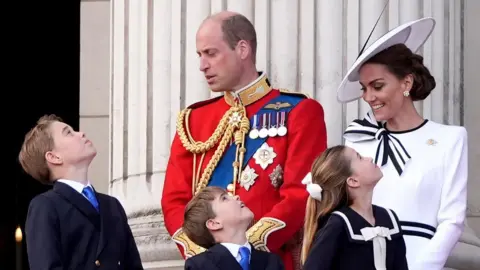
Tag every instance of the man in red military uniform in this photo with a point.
(255, 141)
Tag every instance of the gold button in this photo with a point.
(230, 187)
(97, 263)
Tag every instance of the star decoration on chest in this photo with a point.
(235, 119)
(264, 156)
(248, 177)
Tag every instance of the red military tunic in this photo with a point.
(274, 192)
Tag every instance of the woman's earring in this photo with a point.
(406, 93)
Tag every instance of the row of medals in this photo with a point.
(272, 124)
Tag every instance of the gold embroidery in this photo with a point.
(189, 247)
(278, 105)
(251, 94)
(258, 234)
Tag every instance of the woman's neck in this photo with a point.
(407, 118)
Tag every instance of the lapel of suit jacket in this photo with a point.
(223, 258)
(258, 260)
(104, 213)
(77, 200)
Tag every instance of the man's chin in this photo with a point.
(217, 90)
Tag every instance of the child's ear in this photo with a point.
(213, 225)
(352, 182)
(53, 158)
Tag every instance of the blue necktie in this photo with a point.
(244, 258)
(88, 192)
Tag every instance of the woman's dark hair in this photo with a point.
(401, 62)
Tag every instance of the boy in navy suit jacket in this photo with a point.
(71, 226)
(218, 222)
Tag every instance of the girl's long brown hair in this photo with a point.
(330, 170)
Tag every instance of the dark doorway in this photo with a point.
(42, 77)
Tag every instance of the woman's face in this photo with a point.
(383, 91)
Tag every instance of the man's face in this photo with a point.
(70, 147)
(220, 64)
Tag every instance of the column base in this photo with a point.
(157, 250)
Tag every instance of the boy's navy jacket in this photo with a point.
(64, 231)
(219, 257)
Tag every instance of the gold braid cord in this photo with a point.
(234, 123)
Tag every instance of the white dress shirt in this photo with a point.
(235, 248)
(75, 185)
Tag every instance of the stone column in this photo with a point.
(142, 106)
(303, 46)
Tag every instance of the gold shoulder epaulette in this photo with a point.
(293, 93)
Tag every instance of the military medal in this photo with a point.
(282, 130)
(253, 134)
(264, 130)
(272, 131)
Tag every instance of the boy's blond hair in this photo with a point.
(197, 212)
(38, 141)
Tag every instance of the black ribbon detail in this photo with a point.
(389, 147)
(373, 29)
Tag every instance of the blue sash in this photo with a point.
(223, 174)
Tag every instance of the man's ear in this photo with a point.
(51, 157)
(352, 182)
(243, 49)
(213, 225)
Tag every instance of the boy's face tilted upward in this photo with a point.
(229, 212)
(70, 147)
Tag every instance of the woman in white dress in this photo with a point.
(424, 163)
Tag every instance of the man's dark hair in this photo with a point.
(238, 27)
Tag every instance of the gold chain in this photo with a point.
(223, 133)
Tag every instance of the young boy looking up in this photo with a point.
(71, 226)
(218, 222)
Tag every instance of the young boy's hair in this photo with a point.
(37, 142)
(197, 212)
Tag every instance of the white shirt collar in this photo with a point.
(74, 184)
(234, 249)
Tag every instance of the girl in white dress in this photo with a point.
(424, 163)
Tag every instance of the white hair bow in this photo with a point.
(314, 190)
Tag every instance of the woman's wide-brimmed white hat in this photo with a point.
(413, 34)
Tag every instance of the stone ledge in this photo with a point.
(153, 241)
(165, 265)
(464, 257)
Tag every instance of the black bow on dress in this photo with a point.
(389, 146)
